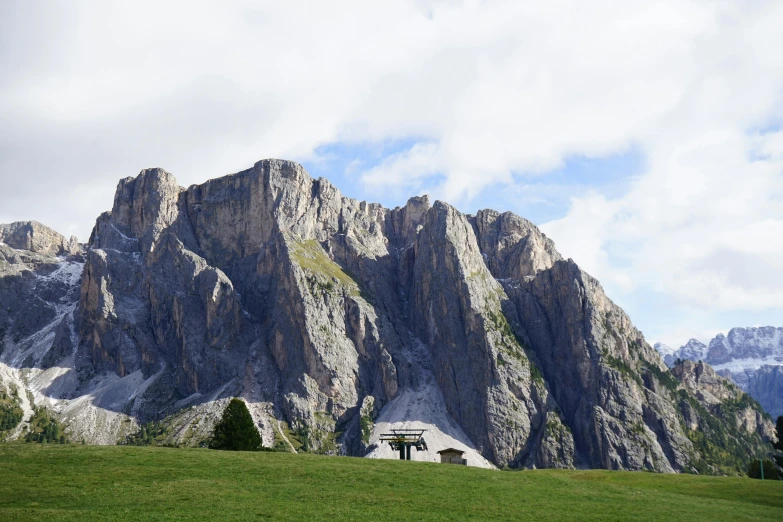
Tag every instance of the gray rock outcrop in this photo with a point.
(34, 237)
(38, 269)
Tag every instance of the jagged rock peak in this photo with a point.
(701, 378)
(233, 214)
(37, 238)
(746, 343)
(513, 246)
(664, 349)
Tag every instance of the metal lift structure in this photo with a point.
(402, 440)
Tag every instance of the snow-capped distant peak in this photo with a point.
(694, 350)
(664, 349)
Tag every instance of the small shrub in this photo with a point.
(366, 424)
(149, 434)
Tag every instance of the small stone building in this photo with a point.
(452, 456)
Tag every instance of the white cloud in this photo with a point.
(404, 170)
(91, 92)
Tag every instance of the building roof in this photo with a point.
(451, 450)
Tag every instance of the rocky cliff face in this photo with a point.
(31, 236)
(40, 272)
(751, 357)
(765, 385)
(337, 319)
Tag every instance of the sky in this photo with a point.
(644, 138)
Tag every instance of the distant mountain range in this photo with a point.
(751, 357)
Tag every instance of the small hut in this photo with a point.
(452, 456)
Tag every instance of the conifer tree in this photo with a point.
(779, 444)
(236, 431)
(773, 469)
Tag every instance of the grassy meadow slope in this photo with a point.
(75, 482)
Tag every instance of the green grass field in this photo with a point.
(75, 482)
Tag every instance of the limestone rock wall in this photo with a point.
(324, 312)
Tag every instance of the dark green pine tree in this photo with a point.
(236, 431)
(779, 444)
(772, 468)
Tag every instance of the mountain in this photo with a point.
(337, 320)
(693, 350)
(664, 349)
(751, 357)
(764, 384)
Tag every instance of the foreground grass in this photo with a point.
(75, 482)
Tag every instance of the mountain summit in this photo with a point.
(337, 320)
(751, 357)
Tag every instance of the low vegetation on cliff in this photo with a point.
(10, 411)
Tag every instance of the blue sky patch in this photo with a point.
(539, 197)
